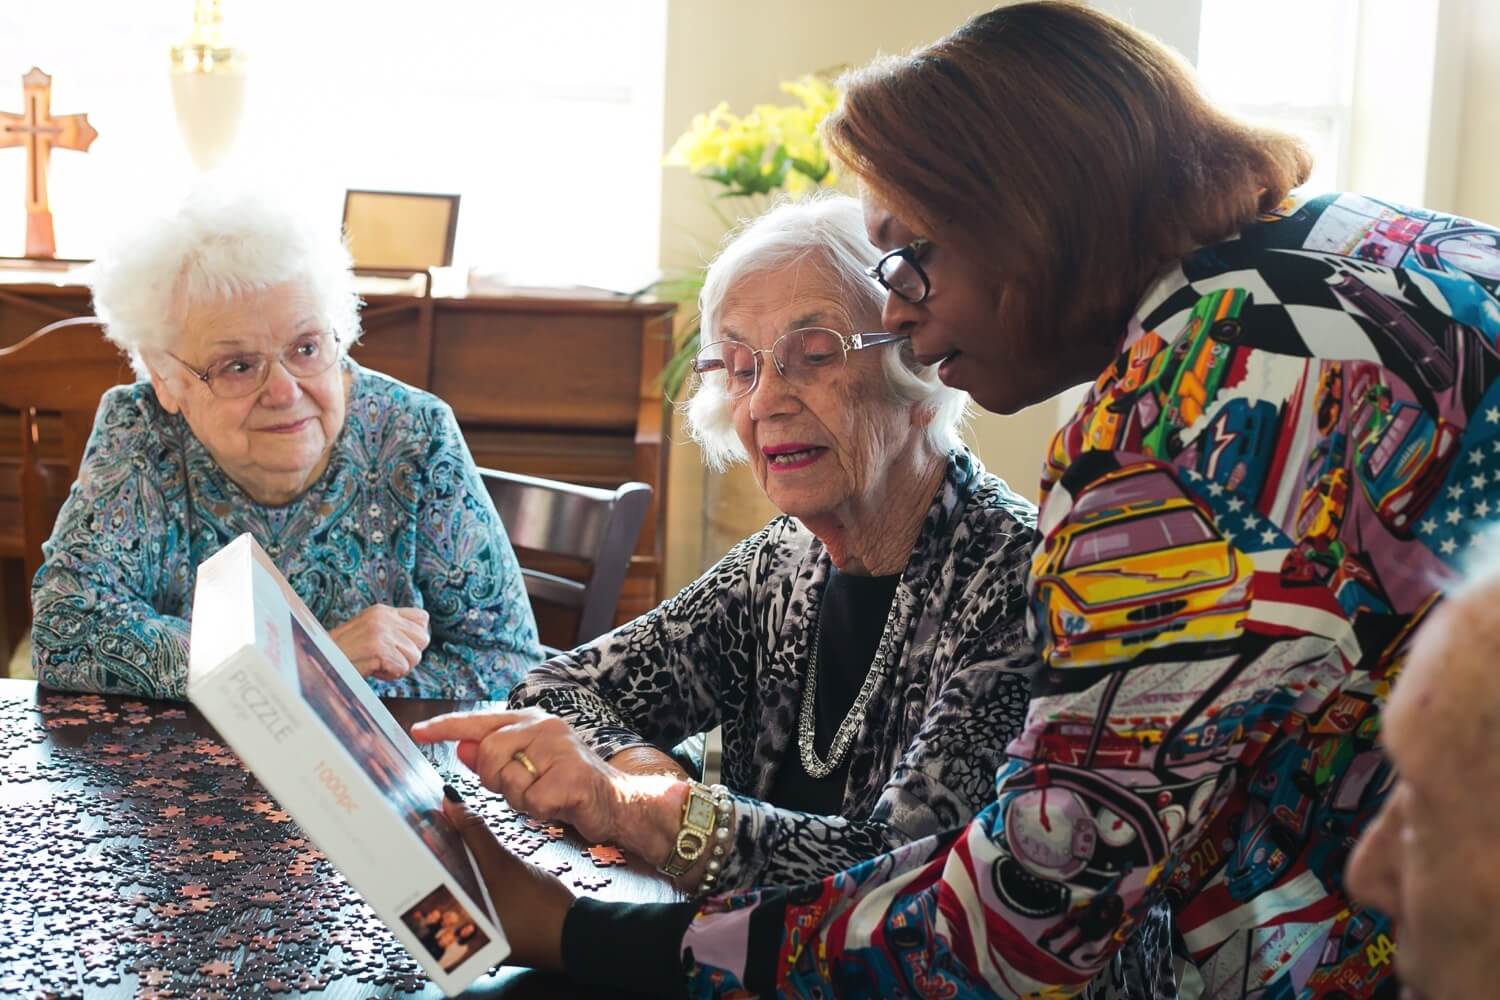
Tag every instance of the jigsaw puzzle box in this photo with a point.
(286, 699)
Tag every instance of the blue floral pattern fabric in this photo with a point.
(399, 517)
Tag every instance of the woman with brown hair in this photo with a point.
(1293, 423)
(1061, 161)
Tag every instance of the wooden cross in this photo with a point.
(37, 130)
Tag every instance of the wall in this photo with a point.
(1405, 126)
(1174, 22)
(1477, 186)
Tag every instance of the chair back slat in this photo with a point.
(554, 589)
(550, 520)
(581, 523)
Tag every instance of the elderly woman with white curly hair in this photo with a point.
(865, 653)
(250, 416)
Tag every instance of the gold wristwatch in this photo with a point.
(694, 833)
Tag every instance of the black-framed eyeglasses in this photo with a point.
(243, 374)
(901, 274)
(801, 356)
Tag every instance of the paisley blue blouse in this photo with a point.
(399, 517)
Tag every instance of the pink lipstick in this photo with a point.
(791, 456)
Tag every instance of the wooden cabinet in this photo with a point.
(558, 387)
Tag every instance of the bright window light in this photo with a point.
(1287, 64)
(545, 118)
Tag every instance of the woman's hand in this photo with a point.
(531, 904)
(571, 783)
(382, 641)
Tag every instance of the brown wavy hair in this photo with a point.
(1071, 153)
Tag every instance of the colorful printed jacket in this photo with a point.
(1242, 525)
(398, 517)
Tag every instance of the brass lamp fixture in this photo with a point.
(208, 87)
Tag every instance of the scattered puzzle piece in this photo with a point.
(605, 855)
(525, 845)
(589, 882)
(196, 883)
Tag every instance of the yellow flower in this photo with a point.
(773, 147)
(816, 94)
(798, 184)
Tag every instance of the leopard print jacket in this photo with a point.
(730, 650)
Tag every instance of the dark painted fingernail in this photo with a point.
(451, 794)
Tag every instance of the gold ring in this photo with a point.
(520, 757)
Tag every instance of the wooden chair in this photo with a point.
(546, 519)
(562, 530)
(53, 379)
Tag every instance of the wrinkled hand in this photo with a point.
(531, 904)
(382, 641)
(572, 784)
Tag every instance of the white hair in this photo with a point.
(211, 247)
(826, 231)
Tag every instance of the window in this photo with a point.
(546, 118)
(1287, 64)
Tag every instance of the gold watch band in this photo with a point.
(694, 833)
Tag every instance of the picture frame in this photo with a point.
(400, 231)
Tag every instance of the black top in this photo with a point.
(853, 615)
(632, 946)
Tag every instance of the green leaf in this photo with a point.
(810, 170)
(674, 374)
(679, 287)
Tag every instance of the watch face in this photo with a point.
(700, 812)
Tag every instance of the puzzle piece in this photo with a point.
(195, 882)
(590, 882)
(605, 855)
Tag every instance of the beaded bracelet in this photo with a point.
(723, 811)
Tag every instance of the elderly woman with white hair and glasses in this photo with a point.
(250, 416)
(865, 653)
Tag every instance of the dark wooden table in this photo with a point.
(139, 858)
